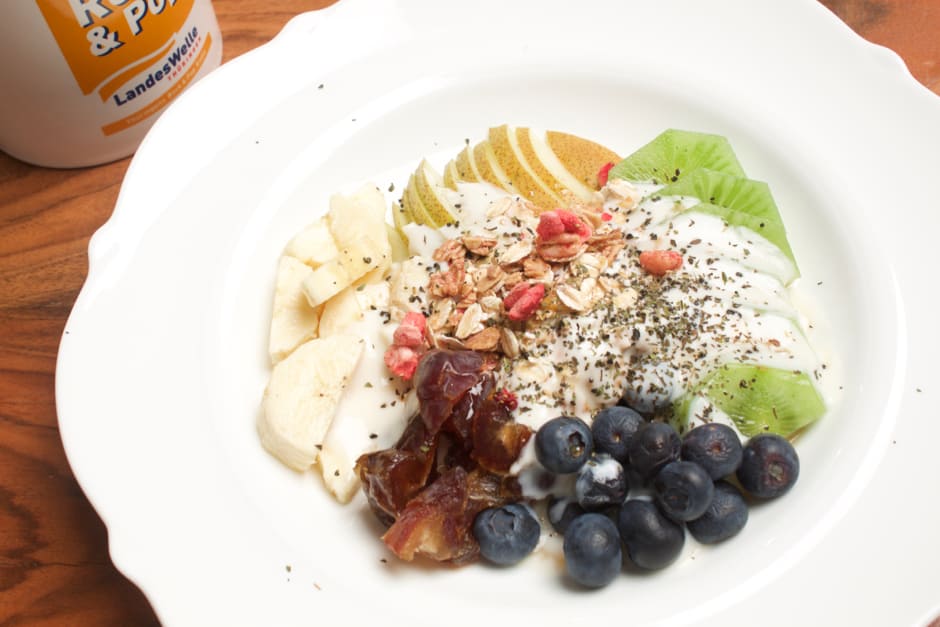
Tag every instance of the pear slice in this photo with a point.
(413, 205)
(538, 141)
(581, 157)
(400, 218)
(540, 168)
(397, 241)
(510, 158)
(465, 166)
(429, 186)
(489, 168)
(451, 175)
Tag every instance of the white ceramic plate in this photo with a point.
(163, 360)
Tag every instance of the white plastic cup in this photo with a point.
(81, 81)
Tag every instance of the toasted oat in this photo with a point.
(470, 322)
(608, 243)
(515, 252)
(491, 279)
(508, 343)
(626, 298)
(491, 304)
(577, 299)
(439, 318)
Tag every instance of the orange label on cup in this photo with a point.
(107, 42)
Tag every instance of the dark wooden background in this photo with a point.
(54, 563)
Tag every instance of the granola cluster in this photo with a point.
(531, 266)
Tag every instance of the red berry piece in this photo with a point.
(604, 173)
(660, 262)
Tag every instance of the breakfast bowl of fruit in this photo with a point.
(594, 333)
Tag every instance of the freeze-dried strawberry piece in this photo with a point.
(574, 224)
(554, 223)
(515, 294)
(603, 173)
(659, 262)
(411, 330)
(523, 300)
(402, 360)
(550, 225)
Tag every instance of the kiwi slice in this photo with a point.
(739, 201)
(675, 153)
(759, 399)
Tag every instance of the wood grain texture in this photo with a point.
(54, 563)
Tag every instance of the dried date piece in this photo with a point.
(497, 438)
(442, 378)
(432, 524)
(392, 477)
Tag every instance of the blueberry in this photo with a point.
(725, 516)
(654, 445)
(769, 467)
(601, 483)
(715, 447)
(683, 490)
(593, 556)
(563, 444)
(613, 428)
(506, 534)
(652, 540)
(561, 512)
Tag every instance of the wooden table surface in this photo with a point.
(54, 563)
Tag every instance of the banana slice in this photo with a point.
(293, 320)
(302, 395)
(314, 245)
(325, 282)
(340, 312)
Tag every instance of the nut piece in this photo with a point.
(449, 282)
(538, 269)
(450, 251)
(485, 340)
(561, 248)
(479, 245)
